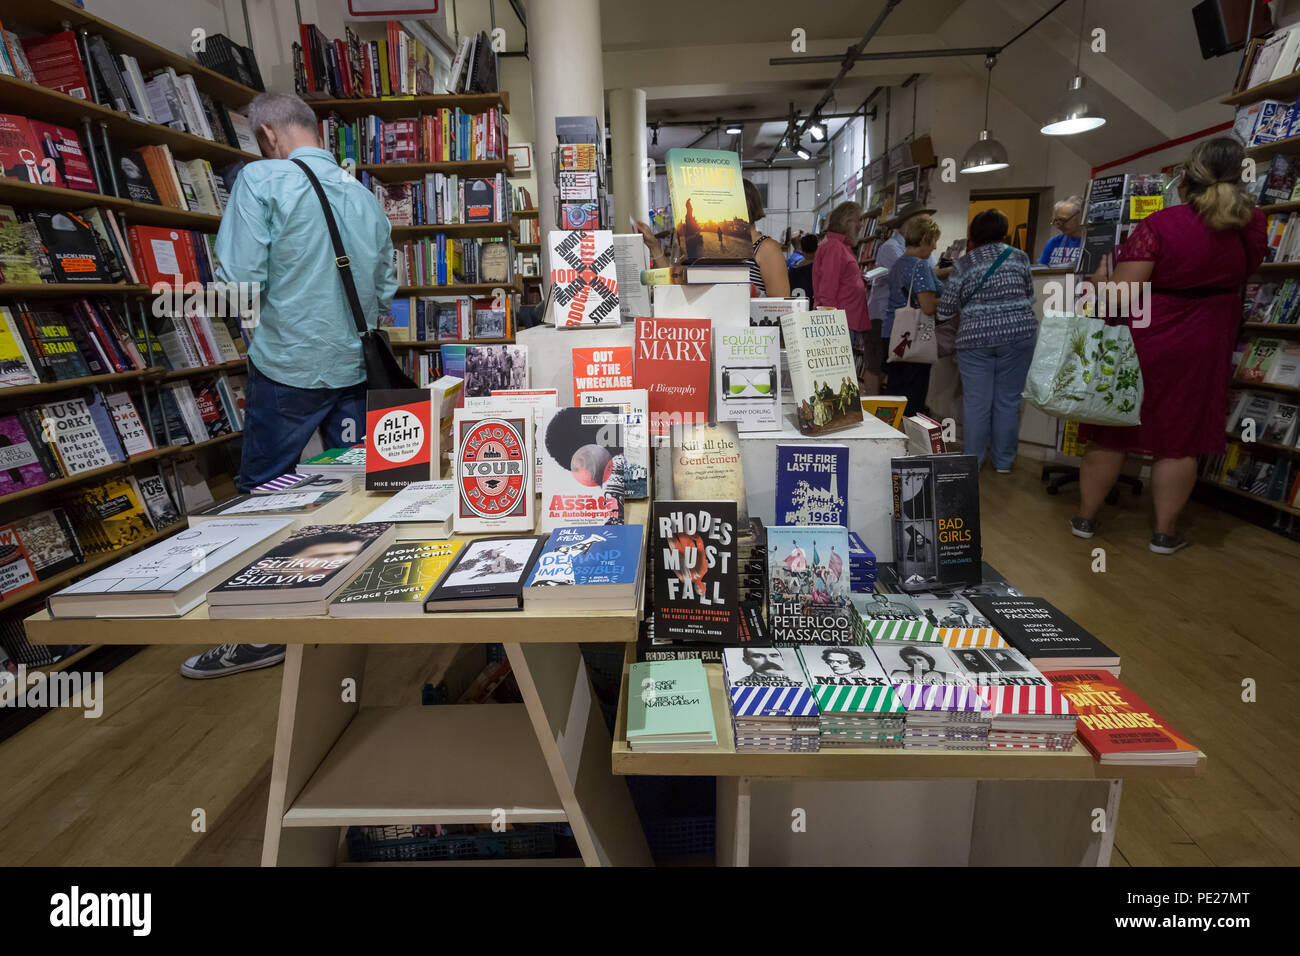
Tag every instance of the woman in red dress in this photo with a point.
(1196, 257)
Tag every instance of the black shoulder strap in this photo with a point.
(341, 259)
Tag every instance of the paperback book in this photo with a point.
(936, 521)
(487, 575)
(707, 466)
(894, 617)
(812, 484)
(401, 442)
(668, 707)
(583, 467)
(1047, 637)
(748, 377)
(1117, 726)
(634, 406)
(809, 600)
(584, 278)
(395, 583)
(710, 215)
(823, 378)
(585, 567)
(421, 510)
(695, 579)
(494, 471)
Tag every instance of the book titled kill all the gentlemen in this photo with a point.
(695, 581)
(672, 364)
(494, 471)
(400, 438)
(936, 521)
(823, 378)
(707, 467)
(809, 601)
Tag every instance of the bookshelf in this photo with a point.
(1279, 268)
(86, 381)
(528, 247)
(1280, 207)
(400, 172)
(14, 192)
(1283, 88)
(400, 107)
(525, 214)
(69, 288)
(1269, 150)
(1270, 445)
(1271, 327)
(458, 230)
(462, 288)
(1258, 499)
(435, 343)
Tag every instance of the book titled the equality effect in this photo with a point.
(585, 567)
(748, 376)
(695, 582)
(936, 521)
(487, 575)
(395, 583)
(809, 601)
(301, 574)
(823, 378)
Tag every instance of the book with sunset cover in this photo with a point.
(1117, 726)
(710, 215)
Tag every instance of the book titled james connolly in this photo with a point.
(710, 215)
(809, 601)
(494, 470)
(695, 582)
(584, 278)
(749, 377)
(812, 484)
(823, 379)
(672, 364)
(400, 438)
(936, 521)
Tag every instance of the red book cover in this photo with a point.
(161, 255)
(406, 145)
(345, 71)
(1114, 721)
(601, 369)
(22, 155)
(56, 63)
(399, 437)
(672, 363)
(394, 68)
(367, 81)
(308, 64)
(90, 318)
(62, 146)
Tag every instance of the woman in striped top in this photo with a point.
(768, 275)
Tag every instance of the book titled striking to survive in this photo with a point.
(582, 467)
(812, 484)
(936, 521)
(401, 441)
(748, 377)
(823, 378)
(395, 583)
(588, 567)
(809, 601)
(695, 583)
(494, 471)
(672, 363)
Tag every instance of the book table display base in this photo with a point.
(339, 764)
(897, 807)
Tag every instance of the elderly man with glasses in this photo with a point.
(1063, 248)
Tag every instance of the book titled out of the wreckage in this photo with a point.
(936, 521)
(395, 583)
(487, 575)
(809, 599)
(695, 583)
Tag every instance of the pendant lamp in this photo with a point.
(987, 154)
(1080, 110)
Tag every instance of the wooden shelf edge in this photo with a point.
(1277, 505)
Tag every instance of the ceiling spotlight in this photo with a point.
(802, 153)
(817, 131)
(734, 129)
(1080, 110)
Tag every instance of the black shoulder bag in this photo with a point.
(382, 369)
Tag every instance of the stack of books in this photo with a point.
(772, 707)
(751, 556)
(893, 617)
(1047, 637)
(862, 566)
(957, 623)
(669, 707)
(421, 510)
(587, 568)
(1117, 726)
(336, 463)
(1027, 712)
(857, 702)
(944, 712)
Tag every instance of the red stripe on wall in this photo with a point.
(1159, 146)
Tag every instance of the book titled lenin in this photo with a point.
(695, 581)
(399, 438)
(672, 362)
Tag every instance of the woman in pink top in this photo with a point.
(837, 278)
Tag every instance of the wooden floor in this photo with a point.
(1190, 629)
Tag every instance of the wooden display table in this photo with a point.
(339, 764)
(1022, 807)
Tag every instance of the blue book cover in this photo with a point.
(400, 310)
(589, 557)
(812, 484)
(103, 419)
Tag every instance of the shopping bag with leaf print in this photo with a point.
(1085, 370)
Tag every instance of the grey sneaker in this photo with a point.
(232, 659)
(1167, 543)
(1083, 528)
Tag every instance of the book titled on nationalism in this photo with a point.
(1046, 636)
(1117, 726)
(710, 215)
(401, 441)
(582, 467)
(894, 617)
(823, 378)
(301, 574)
(809, 601)
(936, 521)
(695, 580)
(585, 567)
(634, 406)
(171, 577)
(584, 278)
(707, 466)
(395, 583)
(494, 471)
(668, 707)
(812, 484)
(421, 510)
(748, 376)
(672, 362)
(487, 575)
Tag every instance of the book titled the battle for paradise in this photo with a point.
(695, 583)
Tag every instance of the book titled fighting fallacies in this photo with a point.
(395, 583)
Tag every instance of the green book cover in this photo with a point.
(669, 698)
(398, 579)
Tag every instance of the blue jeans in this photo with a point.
(992, 379)
(279, 421)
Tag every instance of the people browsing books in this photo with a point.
(837, 279)
(912, 272)
(767, 270)
(1195, 258)
(801, 273)
(1063, 248)
(991, 294)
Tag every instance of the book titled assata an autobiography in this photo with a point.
(710, 215)
(672, 363)
(695, 582)
(494, 471)
(748, 377)
(582, 467)
(809, 601)
(707, 467)
(401, 441)
(936, 521)
(812, 484)
(823, 379)
(395, 583)
(487, 575)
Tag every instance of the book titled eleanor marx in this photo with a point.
(671, 362)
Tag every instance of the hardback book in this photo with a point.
(401, 442)
(888, 408)
(894, 617)
(171, 577)
(494, 469)
(707, 466)
(585, 567)
(748, 376)
(134, 181)
(672, 363)
(80, 446)
(50, 542)
(22, 156)
(924, 435)
(908, 664)
(634, 406)
(114, 509)
(301, 574)
(314, 506)
(696, 275)
(936, 521)
(582, 467)
(823, 379)
(601, 369)
(102, 417)
(957, 622)
(130, 427)
(1117, 726)
(16, 570)
(1047, 637)
(710, 215)
(695, 575)
(395, 583)
(1099, 241)
(54, 346)
(584, 278)
(997, 667)
(668, 707)
(809, 599)
(812, 484)
(63, 147)
(420, 511)
(487, 575)
(20, 465)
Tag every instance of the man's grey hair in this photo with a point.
(1074, 202)
(280, 111)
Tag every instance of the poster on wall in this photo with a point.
(521, 156)
(428, 10)
(900, 156)
(907, 187)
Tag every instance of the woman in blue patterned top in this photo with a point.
(992, 293)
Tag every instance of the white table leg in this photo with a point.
(1112, 821)
(733, 809)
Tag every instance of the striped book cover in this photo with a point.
(858, 700)
(970, 637)
(767, 682)
(945, 697)
(1026, 701)
(848, 680)
(918, 631)
(893, 617)
(283, 483)
(749, 701)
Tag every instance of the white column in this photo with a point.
(568, 80)
(628, 156)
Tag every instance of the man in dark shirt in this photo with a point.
(801, 275)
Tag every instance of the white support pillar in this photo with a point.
(628, 156)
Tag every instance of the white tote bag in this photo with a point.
(912, 338)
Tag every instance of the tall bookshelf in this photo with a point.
(96, 124)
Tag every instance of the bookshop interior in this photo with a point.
(882, 451)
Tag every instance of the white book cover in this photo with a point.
(631, 258)
(423, 502)
(1286, 368)
(584, 278)
(747, 376)
(768, 310)
(194, 490)
(582, 472)
(721, 302)
(189, 409)
(135, 437)
(543, 402)
(823, 379)
(80, 446)
(225, 344)
(243, 132)
(494, 468)
(635, 405)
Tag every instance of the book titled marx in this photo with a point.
(809, 601)
(812, 484)
(400, 439)
(710, 215)
(494, 470)
(672, 364)
(823, 379)
(584, 278)
(749, 377)
(695, 583)
(936, 521)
